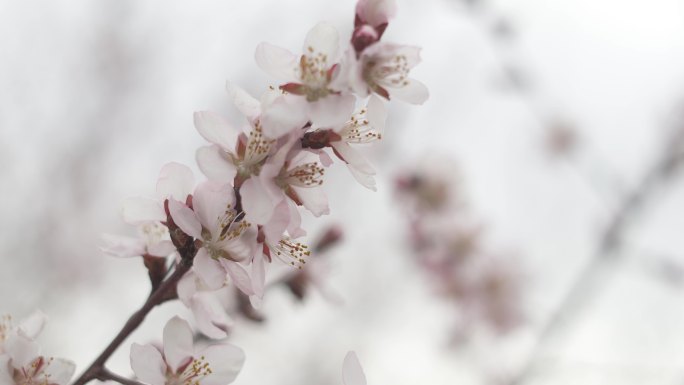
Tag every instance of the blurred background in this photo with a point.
(527, 224)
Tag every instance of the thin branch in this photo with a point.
(164, 292)
(105, 375)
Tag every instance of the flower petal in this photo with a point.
(314, 199)
(256, 201)
(187, 287)
(214, 164)
(178, 348)
(175, 180)
(284, 114)
(225, 361)
(332, 110)
(414, 92)
(259, 275)
(216, 129)
(185, 218)
(33, 325)
(161, 249)
(60, 371)
(352, 373)
(239, 276)
(294, 228)
(211, 319)
(323, 39)
(360, 168)
(21, 349)
(209, 270)
(210, 202)
(6, 370)
(147, 364)
(243, 101)
(278, 223)
(376, 113)
(276, 61)
(121, 246)
(366, 180)
(137, 210)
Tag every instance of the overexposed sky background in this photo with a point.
(96, 96)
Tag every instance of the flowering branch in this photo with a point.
(107, 375)
(164, 292)
(223, 232)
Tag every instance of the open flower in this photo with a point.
(233, 153)
(383, 69)
(225, 239)
(310, 75)
(288, 175)
(21, 362)
(179, 363)
(365, 126)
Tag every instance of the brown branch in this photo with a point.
(105, 375)
(165, 292)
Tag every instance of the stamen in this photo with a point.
(359, 130)
(258, 147)
(197, 369)
(5, 326)
(230, 228)
(291, 253)
(306, 175)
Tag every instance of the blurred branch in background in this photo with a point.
(561, 140)
(610, 247)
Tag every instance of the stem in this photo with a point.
(107, 375)
(163, 293)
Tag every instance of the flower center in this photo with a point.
(34, 373)
(388, 71)
(192, 374)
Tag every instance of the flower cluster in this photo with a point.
(485, 287)
(21, 362)
(227, 230)
(247, 213)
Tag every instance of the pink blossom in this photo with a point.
(179, 362)
(383, 68)
(225, 240)
(365, 126)
(310, 75)
(20, 360)
(288, 175)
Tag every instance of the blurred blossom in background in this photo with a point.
(527, 223)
